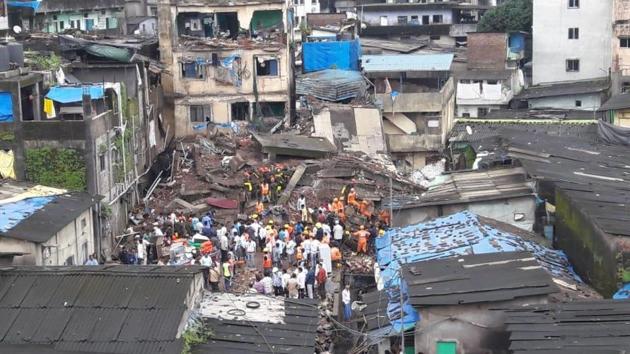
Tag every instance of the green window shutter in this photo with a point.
(446, 347)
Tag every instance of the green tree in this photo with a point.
(512, 15)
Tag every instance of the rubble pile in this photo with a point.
(358, 263)
(325, 328)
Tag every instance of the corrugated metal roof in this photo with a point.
(406, 62)
(290, 325)
(601, 327)
(462, 234)
(476, 278)
(100, 309)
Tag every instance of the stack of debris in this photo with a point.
(324, 339)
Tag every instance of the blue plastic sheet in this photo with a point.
(32, 4)
(71, 94)
(6, 107)
(12, 214)
(623, 293)
(343, 55)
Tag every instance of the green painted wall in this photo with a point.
(586, 246)
(98, 18)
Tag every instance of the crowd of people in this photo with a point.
(291, 258)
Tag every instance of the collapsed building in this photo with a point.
(226, 62)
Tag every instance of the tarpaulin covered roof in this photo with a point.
(406, 62)
(32, 4)
(13, 213)
(342, 55)
(71, 94)
(6, 107)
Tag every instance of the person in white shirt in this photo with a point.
(337, 231)
(326, 228)
(325, 257)
(301, 278)
(301, 204)
(286, 275)
(347, 303)
(306, 247)
(141, 245)
(251, 250)
(314, 250)
(268, 284)
(224, 244)
(290, 249)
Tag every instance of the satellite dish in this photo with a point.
(17, 29)
(469, 130)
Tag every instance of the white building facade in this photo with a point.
(572, 40)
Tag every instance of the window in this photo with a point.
(240, 111)
(402, 20)
(414, 20)
(578, 103)
(425, 19)
(55, 17)
(101, 162)
(69, 261)
(574, 33)
(107, 23)
(85, 15)
(62, 25)
(481, 112)
(574, 4)
(83, 223)
(624, 42)
(192, 70)
(103, 12)
(573, 65)
(266, 67)
(198, 114)
(437, 18)
(383, 20)
(444, 347)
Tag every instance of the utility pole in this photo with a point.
(391, 202)
(402, 312)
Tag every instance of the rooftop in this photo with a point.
(295, 145)
(601, 327)
(476, 278)
(406, 62)
(331, 84)
(592, 173)
(621, 101)
(36, 213)
(565, 89)
(48, 6)
(277, 326)
(470, 186)
(104, 309)
(463, 234)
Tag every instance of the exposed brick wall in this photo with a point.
(487, 51)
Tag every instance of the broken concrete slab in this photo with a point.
(295, 179)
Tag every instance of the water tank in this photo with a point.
(4, 58)
(16, 53)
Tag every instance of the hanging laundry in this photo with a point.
(49, 108)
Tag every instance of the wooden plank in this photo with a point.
(297, 176)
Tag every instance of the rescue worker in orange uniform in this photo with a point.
(264, 192)
(260, 207)
(362, 236)
(352, 198)
(337, 206)
(364, 209)
(384, 217)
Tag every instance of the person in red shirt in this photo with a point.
(321, 278)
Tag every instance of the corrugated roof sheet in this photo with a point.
(232, 334)
(97, 309)
(621, 101)
(465, 187)
(463, 234)
(331, 84)
(476, 278)
(406, 62)
(38, 219)
(565, 88)
(601, 327)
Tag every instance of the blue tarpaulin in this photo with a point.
(623, 293)
(342, 55)
(6, 107)
(12, 214)
(32, 4)
(70, 94)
